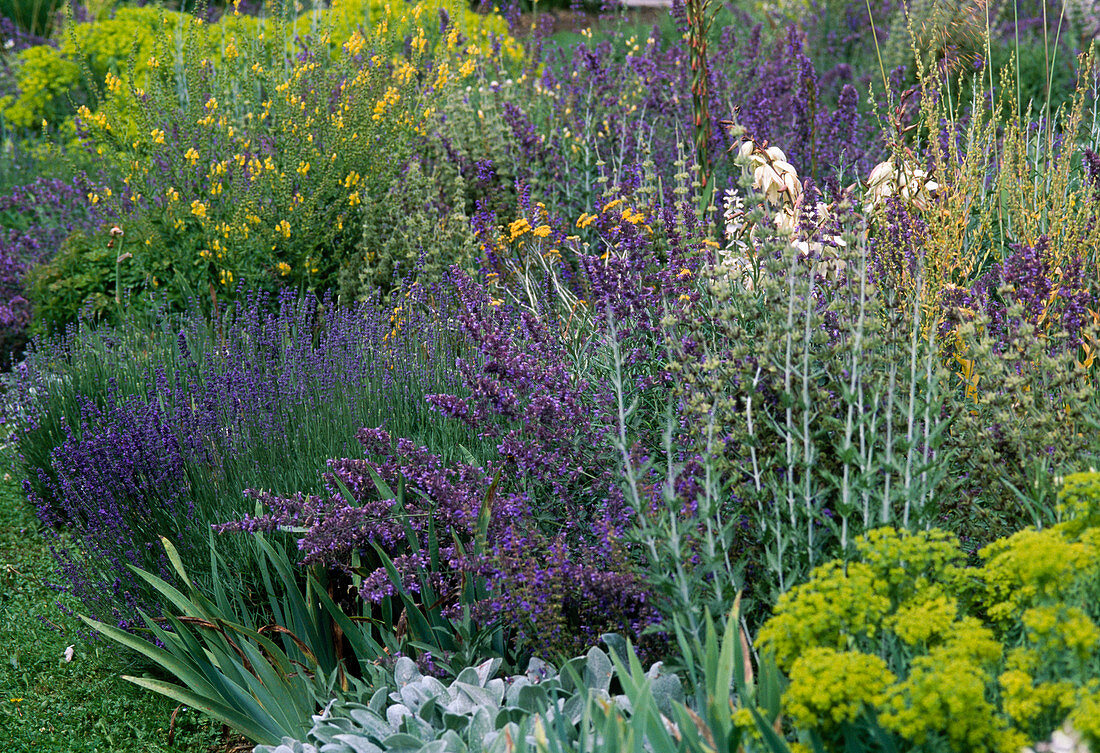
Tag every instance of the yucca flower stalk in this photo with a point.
(700, 18)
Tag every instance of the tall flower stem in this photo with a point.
(700, 18)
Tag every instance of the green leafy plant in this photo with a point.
(225, 662)
(597, 702)
(909, 640)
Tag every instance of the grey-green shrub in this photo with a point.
(476, 711)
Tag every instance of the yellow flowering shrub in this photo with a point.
(132, 42)
(941, 655)
(246, 159)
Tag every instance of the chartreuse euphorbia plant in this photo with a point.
(910, 641)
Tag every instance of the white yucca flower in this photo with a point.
(1065, 740)
(776, 179)
(734, 256)
(908, 181)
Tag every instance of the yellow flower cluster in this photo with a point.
(977, 658)
(835, 685)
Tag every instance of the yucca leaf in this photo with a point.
(176, 562)
(179, 668)
(247, 726)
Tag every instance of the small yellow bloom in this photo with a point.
(158, 136)
(585, 220)
(283, 228)
(541, 231)
(282, 268)
(518, 228)
(191, 155)
(198, 209)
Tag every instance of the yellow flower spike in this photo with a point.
(157, 135)
(191, 155)
(198, 209)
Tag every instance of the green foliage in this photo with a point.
(1036, 395)
(910, 640)
(83, 277)
(925, 32)
(50, 79)
(823, 418)
(598, 702)
(419, 224)
(263, 688)
(33, 16)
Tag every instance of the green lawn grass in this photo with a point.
(47, 704)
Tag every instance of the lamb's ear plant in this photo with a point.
(226, 665)
(601, 702)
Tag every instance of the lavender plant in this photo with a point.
(196, 411)
(548, 556)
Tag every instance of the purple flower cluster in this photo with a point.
(35, 219)
(1028, 286)
(1092, 172)
(116, 477)
(522, 396)
(553, 595)
(553, 560)
(198, 413)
